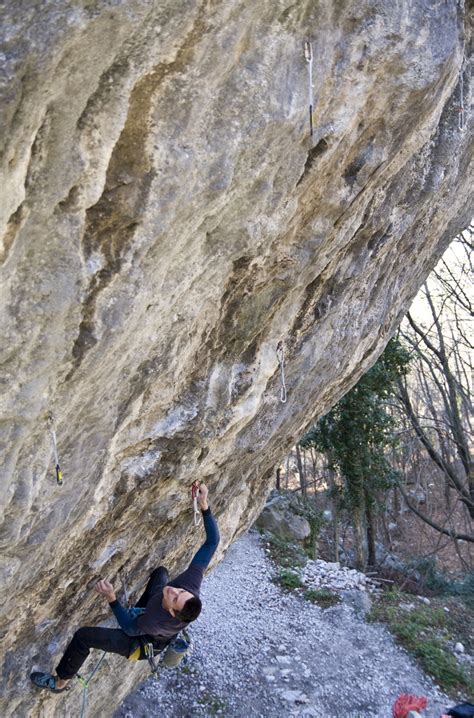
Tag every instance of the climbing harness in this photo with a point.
(281, 360)
(59, 473)
(194, 495)
(308, 54)
(170, 656)
(461, 116)
(85, 684)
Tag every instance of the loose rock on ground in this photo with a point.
(323, 574)
(259, 651)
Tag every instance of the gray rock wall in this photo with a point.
(166, 220)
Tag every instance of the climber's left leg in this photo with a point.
(111, 640)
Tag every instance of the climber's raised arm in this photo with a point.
(205, 553)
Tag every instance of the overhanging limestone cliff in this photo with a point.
(166, 221)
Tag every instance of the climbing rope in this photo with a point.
(85, 684)
(194, 494)
(461, 116)
(59, 473)
(308, 54)
(281, 360)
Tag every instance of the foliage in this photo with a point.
(286, 553)
(430, 575)
(355, 434)
(465, 589)
(356, 431)
(441, 664)
(426, 631)
(322, 597)
(288, 579)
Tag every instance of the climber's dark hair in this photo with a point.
(190, 610)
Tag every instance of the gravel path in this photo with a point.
(259, 652)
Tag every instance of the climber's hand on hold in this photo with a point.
(106, 589)
(202, 496)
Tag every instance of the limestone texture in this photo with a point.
(166, 220)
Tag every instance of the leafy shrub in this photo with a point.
(422, 631)
(288, 579)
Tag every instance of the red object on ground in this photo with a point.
(406, 703)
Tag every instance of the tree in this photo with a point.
(354, 436)
(436, 397)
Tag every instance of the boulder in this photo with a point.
(386, 559)
(283, 523)
(360, 601)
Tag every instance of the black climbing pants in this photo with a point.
(111, 640)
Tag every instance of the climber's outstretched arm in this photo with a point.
(203, 557)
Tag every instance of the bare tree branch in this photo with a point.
(446, 532)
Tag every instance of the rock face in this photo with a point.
(166, 221)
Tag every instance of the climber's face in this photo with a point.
(174, 599)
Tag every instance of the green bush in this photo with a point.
(434, 579)
(422, 631)
(441, 664)
(288, 579)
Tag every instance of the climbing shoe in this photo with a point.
(45, 680)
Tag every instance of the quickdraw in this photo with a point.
(194, 494)
(59, 473)
(150, 655)
(461, 109)
(281, 361)
(308, 54)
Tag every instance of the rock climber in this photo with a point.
(164, 609)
